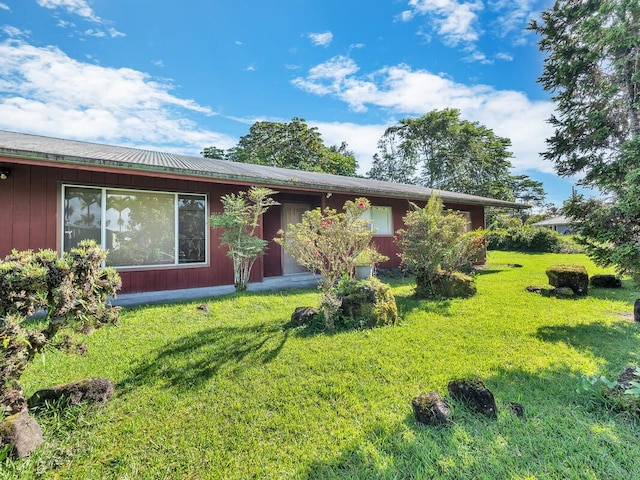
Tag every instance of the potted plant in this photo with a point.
(366, 262)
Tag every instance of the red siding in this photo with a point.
(29, 201)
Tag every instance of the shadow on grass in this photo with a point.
(617, 343)
(628, 293)
(193, 359)
(558, 436)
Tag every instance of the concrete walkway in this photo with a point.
(301, 280)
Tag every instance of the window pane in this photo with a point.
(191, 228)
(140, 228)
(381, 217)
(82, 216)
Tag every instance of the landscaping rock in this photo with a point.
(516, 408)
(369, 303)
(605, 281)
(452, 285)
(514, 265)
(636, 311)
(574, 277)
(303, 316)
(534, 289)
(474, 394)
(21, 431)
(563, 292)
(431, 409)
(92, 390)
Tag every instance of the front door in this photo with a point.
(291, 214)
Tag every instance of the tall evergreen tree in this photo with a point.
(592, 69)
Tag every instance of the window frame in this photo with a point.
(368, 215)
(124, 190)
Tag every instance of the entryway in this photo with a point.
(291, 214)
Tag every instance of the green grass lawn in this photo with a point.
(236, 394)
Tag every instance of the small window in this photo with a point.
(381, 219)
(138, 228)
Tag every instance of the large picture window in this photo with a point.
(138, 228)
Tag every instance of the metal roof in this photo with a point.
(70, 152)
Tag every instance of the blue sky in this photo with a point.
(181, 75)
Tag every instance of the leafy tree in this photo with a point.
(327, 242)
(288, 145)
(593, 70)
(442, 151)
(214, 152)
(240, 218)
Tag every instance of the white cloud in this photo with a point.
(250, 68)
(477, 57)
(44, 91)
(328, 77)
(76, 7)
(65, 24)
(321, 39)
(13, 32)
(99, 33)
(513, 15)
(4, 6)
(459, 23)
(455, 21)
(504, 56)
(362, 139)
(402, 91)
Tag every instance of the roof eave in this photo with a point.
(238, 178)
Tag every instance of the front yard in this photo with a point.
(235, 393)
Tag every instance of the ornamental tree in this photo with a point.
(435, 242)
(327, 242)
(240, 219)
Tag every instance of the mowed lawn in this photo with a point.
(234, 393)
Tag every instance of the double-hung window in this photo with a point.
(138, 227)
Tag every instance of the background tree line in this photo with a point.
(438, 150)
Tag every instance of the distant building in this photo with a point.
(560, 224)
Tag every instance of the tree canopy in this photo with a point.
(288, 145)
(593, 70)
(443, 151)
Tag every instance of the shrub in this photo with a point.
(526, 238)
(71, 290)
(435, 242)
(328, 242)
(447, 285)
(369, 302)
